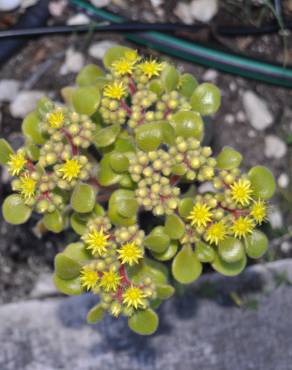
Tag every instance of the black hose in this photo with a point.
(35, 16)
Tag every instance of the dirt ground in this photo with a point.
(23, 256)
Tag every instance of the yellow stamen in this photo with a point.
(216, 233)
(56, 119)
(27, 186)
(110, 281)
(151, 68)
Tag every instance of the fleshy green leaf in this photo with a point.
(106, 176)
(262, 181)
(206, 99)
(228, 269)
(149, 136)
(157, 241)
(186, 267)
(204, 252)
(119, 162)
(123, 207)
(88, 75)
(95, 314)
(188, 83)
(54, 221)
(31, 128)
(114, 53)
(256, 244)
(83, 198)
(168, 253)
(86, 99)
(77, 252)
(170, 77)
(164, 291)
(228, 158)
(185, 207)
(188, 124)
(231, 250)
(78, 222)
(65, 267)
(106, 136)
(69, 287)
(5, 151)
(144, 322)
(174, 226)
(14, 210)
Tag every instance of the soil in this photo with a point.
(22, 255)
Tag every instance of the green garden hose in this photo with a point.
(217, 59)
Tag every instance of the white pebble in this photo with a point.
(182, 11)
(283, 180)
(98, 49)
(74, 61)
(8, 90)
(210, 75)
(24, 103)
(203, 10)
(275, 147)
(257, 111)
(78, 19)
(275, 217)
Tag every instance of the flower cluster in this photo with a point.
(123, 165)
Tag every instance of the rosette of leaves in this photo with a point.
(127, 140)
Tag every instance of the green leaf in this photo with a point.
(186, 267)
(188, 83)
(86, 99)
(88, 75)
(168, 253)
(157, 241)
(185, 206)
(95, 314)
(262, 182)
(156, 87)
(174, 226)
(170, 77)
(77, 252)
(65, 267)
(148, 268)
(106, 176)
(67, 94)
(14, 210)
(228, 158)
(83, 198)
(69, 287)
(106, 136)
(204, 252)
(149, 136)
(168, 133)
(119, 162)
(78, 222)
(164, 291)
(53, 221)
(228, 269)
(31, 128)
(122, 207)
(256, 244)
(32, 151)
(144, 322)
(188, 124)
(114, 53)
(231, 250)
(5, 151)
(206, 99)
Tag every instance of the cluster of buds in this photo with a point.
(130, 140)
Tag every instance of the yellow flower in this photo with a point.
(16, 163)
(115, 309)
(151, 68)
(27, 186)
(123, 67)
(110, 281)
(88, 278)
(259, 211)
(241, 192)
(56, 119)
(216, 232)
(132, 56)
(242, 227)
(115, 90)
(70, 170)
(133, 297)
(200, 215)
(96, 241)
(130, 253)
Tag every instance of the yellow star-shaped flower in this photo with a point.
(115, 90)
(123, 67)
(16, 163)
(130, 253)
(242, 227)
(27, 186)
(216, 232)
(200, 215)
(133, 297)
(56, 119)
(96, 241)
(70, 169)
(241, 192)
(110, 281)
(259, 211)
(88, 278)
(150, 68)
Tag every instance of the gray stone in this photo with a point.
(275, 147)
(182, 11)
(24, 103)
(98, 49)
(78, 19)
(283, 180)
(74, 61)
(8, 89)
(203, 10)
(257, 111)
(200, 330)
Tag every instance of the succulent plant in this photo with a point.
(120, 163)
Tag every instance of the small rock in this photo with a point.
(8, 5)
(240, 116)
(283, 180)
(257, 111)
(100, 3)
(251, 133)
(229, 119)
(275, 147)
(232, 86)
(182, 11)
(156, 3)
(57, 8)
(203, 10)
(5, 177)
(98, 49)
(286, 247)
(24, 103)
(8, 90)
(210, 75)
(74, 61)
(78, 19)
(276, 218)
(44, 286)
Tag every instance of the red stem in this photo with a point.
(74, 148)
(126, 107)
